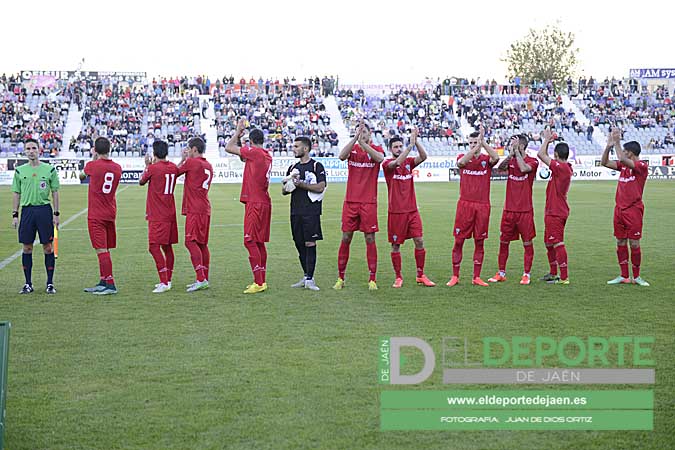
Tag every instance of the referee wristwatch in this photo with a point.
(57, 213)
(15, 214)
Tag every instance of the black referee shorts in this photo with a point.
(36, 219)
(306, 228)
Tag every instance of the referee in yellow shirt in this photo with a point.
(31, 187)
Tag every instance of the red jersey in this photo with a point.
(400, 185)
(474, 179)
(519, 186)
(104, 176)
(255, 186)
(556, 191)
(631, 184)
(198, 175)
(362, 173)
(160, 205)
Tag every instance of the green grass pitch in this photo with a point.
(293, 368)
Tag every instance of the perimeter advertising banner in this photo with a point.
(434, 169)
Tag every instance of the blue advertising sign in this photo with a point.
(653, 73)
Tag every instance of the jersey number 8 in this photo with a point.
(108, 179)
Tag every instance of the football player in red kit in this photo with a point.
(557, 210)
(104, 177)
(197, 209)
(629, 209)
(518, 214)
(359, 210)
(160, 212)
(404, 220)
(256, 198)
(473, 208)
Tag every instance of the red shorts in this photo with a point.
(554, 229)
(257, 220)
(197, 228)
(516, 225)
(162, 233)
(472, 220)
(359, 217)
(628, 222)
(102, 233)
(402, 226)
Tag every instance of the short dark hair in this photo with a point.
(33, 140)
(198, 143)
(394, 140)
(523, 139)
(475, 134)
(160, 149)
(367, 126)
(102, 145)
(562, 150)
(305, 141)
(257, 137)
(633, 147)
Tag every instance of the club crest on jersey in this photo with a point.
(483, 163)
(394, 238)
(456, 230)
(407, 167)
(43, 185)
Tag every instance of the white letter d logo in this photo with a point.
(429, 360)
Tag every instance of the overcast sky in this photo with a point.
(360, 40)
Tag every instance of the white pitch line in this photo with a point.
(9, 260)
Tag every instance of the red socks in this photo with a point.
(636, 259)
(169, 257)
(528, 251)
(561, 255)
(160, 263)
(343, 258)
(396, 262)
(196, 258)
(371, 255)
(457, 256)
(552, 261)
(622, 255)
(206, 259)
(263, 260)
(105, 267)
(420, 256)
(478, 255)
(503, 256)
(255, 260)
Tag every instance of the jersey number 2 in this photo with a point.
(205, 185)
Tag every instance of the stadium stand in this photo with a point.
(133, 115)
(398, 112)
(32, 112)
(282, 111)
